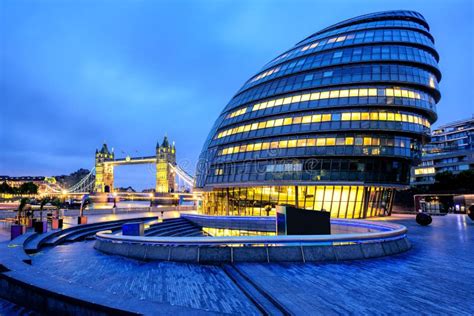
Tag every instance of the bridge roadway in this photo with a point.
(435, 278)
(131, 160)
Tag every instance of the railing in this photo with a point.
(386, 231)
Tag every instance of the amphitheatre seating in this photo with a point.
(175, 227)
(22, 283)
(75, 233)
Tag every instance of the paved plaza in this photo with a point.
(435, 277)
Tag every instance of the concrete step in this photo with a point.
(158, 229)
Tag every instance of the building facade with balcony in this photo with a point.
(451, 150)
(335, 123)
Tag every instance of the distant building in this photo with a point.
(128, 189)
(451, 149)
(16, 182)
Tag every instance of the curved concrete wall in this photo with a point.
(247, 253)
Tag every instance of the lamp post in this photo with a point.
(115, 202)
(151, 201)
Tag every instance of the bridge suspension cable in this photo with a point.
(186, 177)
(86, 184)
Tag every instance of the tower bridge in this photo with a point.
(170, 177)
(167, 170)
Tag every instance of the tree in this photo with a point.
(465, 180)
(5, 188)
(454, 183)
(28, 188)
(42, 204)
(21, 208)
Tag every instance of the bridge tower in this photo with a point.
(165, 177)
(104, 171)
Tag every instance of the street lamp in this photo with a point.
(151, 200)
(115, 200)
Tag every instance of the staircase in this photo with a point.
(175, 227)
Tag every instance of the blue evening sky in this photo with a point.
(76, 73)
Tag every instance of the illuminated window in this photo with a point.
(330, 141)
(316, 118)
(283, 144)
(324, 95)
(292, 143)
(305, 97)
(297, 120)
(349, 140)
(374, 116)
(301, 143)
(363, 92)
(287, 121)
(334, 94)
(278, 122)
(296, 98)
(320, 142)
(367, 141)
(311, 142)
(315, 96)
(346, 116)
(306, 119)
(344, 93)
(326, 117)
(365, 116)
(355, 116)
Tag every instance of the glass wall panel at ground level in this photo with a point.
(341, 201)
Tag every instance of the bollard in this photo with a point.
(424, 219)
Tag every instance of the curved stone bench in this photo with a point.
(388, 239)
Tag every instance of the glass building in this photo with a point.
(451, 150)
(335, 123)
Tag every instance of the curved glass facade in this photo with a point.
(334, 123)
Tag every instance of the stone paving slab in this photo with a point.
(435, 277)
(200, 287)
